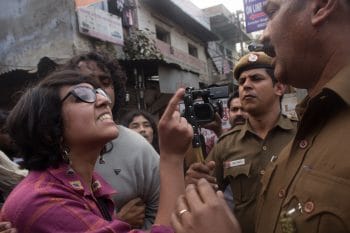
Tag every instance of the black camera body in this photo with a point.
(201, 112)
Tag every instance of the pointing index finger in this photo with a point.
(173, 103)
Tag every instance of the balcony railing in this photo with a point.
(185, 60)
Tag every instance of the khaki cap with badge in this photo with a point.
(252, 60)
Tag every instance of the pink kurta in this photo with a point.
(57, 201)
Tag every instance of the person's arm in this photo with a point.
(199, 170)
(10, 174)
(215, 125)
(151, 182)
(175, 135)
(5, 227)
(133, 212)
(202, 210)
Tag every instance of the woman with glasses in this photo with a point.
(62, 126)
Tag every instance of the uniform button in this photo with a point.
(264, 147)
(303, 144)
(281, 193)
(262, 172)
(309, 207)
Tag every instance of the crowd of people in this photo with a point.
(83, 172)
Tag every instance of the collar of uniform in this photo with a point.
(302, 106)
(73, 181)
(340, 84)
(283, 122)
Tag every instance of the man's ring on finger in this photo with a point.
(181, 212)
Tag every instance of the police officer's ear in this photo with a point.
(279, 88)
(322, 9)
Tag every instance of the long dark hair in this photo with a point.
(35, 123)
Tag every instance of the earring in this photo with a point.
(101, 160)
(66, 158)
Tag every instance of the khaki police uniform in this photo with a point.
(307, 189)
(241, 157)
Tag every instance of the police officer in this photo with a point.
(236, 113)
(307, 188)
(240, 156)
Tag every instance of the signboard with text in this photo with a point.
(255, 18)
(100, 24)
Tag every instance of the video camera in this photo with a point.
(203, 111)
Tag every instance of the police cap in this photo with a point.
(252, 60)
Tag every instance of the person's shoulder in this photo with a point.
(132, 143)
(290, 118)
(230, 133)
(21, 202)
(126, 133)
(127, 136)
(31, 190)
(225, 141)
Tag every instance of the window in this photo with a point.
(192, 50)
(162, 35)
(116, 7)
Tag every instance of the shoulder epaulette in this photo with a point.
(233, 130)
(291, 116)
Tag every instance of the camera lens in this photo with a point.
(204, 112)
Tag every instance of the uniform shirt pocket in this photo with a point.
(236, 171)
(241, 182)
(324, 202)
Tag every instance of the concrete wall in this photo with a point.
(32, 29)
(179, 38)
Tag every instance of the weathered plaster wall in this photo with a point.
(179, 39)
(32, 29)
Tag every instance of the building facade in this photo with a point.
(162, 45)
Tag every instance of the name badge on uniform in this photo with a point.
(234, 163)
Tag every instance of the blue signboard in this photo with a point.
(255, 18)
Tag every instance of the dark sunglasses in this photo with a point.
(85, 94)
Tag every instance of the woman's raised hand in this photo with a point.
(175, 134)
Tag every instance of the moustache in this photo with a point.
(239, 120)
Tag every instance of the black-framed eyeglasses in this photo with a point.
(85, 94)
